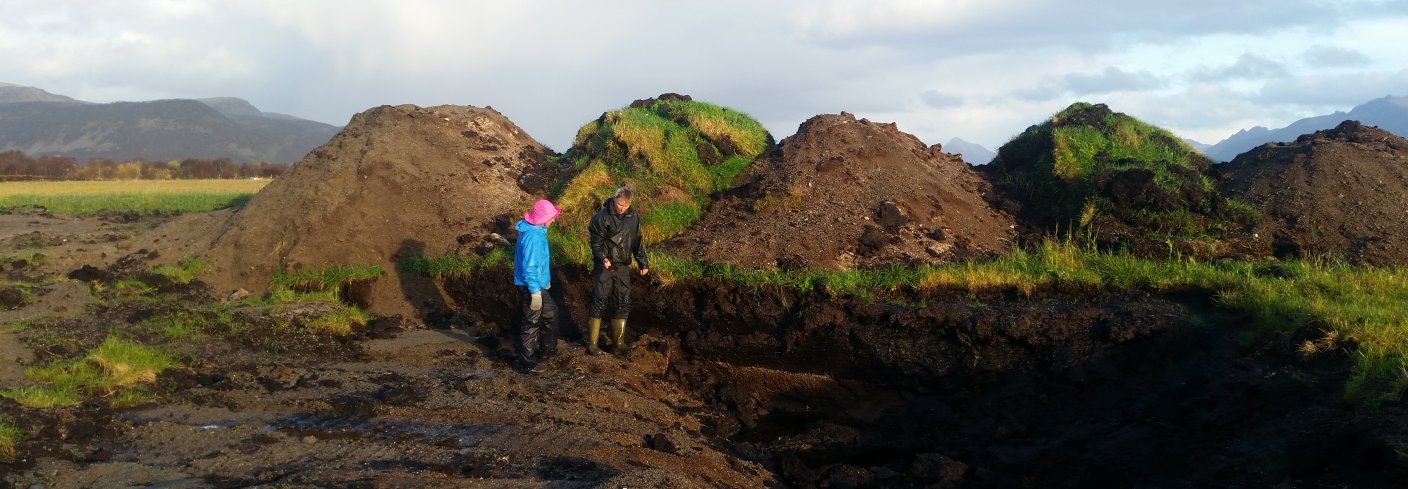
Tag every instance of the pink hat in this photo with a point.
(543, 211)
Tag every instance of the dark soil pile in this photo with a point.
(1341, 191)
(843, 193)
(1090, 171)
(397, 181)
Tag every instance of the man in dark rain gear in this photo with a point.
(615, 241)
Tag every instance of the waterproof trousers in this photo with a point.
(538, 329)
(611, 285)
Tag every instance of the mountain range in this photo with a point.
(973, 153)
(1389, 113)
(40, 123)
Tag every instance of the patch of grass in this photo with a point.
(339, 322)
(329, 279)
(458, 266)
(166, 196)
(668, 220)
(41, 397)
(28, 258)
(10, 438)
(114, 366)
(184, 272)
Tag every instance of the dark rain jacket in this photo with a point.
(617, 237)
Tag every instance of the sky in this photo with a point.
(981, 70)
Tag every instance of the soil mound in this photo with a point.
(1095, 172)
(1341, 191)
(843, 193)
(397, 181)
(673, 151)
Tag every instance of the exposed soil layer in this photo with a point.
(1065, 389)
(1341, 191)
(844, 193)
(396, 181)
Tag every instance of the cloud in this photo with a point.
(1249, 66)
(1340, 90)
(1324, 56)
(941, 29)
(935, 98)
(1104, 82)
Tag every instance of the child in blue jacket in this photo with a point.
(532, 274)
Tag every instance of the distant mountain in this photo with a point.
(1388, 113)
(973, 153)
(15, 93)
(1201, 147)
(40, 123)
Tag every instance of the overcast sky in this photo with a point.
(981, 70)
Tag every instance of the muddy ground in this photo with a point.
(724, 387)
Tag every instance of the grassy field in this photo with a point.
(89, 197)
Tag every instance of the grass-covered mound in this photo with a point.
(1116, 179)
(672, 151)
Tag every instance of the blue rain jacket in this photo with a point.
(531, 267)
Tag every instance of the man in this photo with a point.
(615, 240)
(533, 276)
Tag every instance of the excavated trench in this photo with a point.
(1066, 388)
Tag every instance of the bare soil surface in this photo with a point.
(1341, 192)
(396, 181)
(845, 193)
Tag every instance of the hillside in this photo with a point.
(1389, 113)
(1110, 177)
(1341, 191)
(38, 123)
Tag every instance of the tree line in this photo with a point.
(15, 165)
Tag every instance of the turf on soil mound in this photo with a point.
(397, 181)
(1108, 176)
(843, 193)
(1341, 192)
(672, 151)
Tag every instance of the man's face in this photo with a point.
(622, 205)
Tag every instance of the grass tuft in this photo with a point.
(10, 438)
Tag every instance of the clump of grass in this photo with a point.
(184, 272)
(455, 265)
(330, 279)
(10, 438)
(114, 366)
(338, 322)
(92, 197)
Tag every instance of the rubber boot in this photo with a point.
(618, 334)
(593, 331)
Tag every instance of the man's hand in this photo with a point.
(644, 271)
(537, 302)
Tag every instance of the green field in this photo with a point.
(90, 197)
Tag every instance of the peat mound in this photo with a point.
(845, 193)
(673, 152)
(1091, 171)
(397, 181)
(1341, 191)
